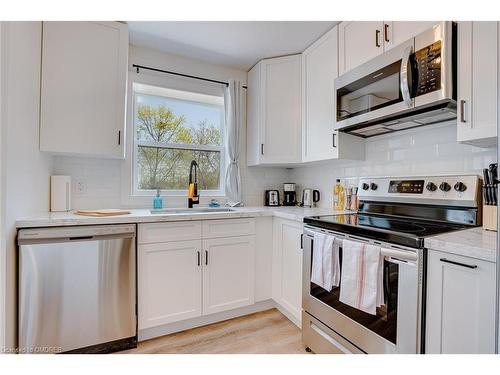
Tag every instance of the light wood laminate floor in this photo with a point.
(266, 332)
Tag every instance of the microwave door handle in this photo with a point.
(403, 79)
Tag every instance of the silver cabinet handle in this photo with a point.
(377, 36)
(462, 111)
(386, 32)
(472, 266)
(403, 74)
(333, 140)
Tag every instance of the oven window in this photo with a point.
(377, 90)
(384, 323)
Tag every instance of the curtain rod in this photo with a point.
(137, 67)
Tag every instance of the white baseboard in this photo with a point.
(291, 317)
(149, 333)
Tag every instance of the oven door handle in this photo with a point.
(403, 256)
(403, 77)
(400, 261)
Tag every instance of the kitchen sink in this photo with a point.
(166, 211)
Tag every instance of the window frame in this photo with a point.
(135, 143)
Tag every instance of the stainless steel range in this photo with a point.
(395, 214)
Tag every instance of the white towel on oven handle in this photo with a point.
(325, 270)
(362, 276)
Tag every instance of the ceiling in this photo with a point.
(230, 43)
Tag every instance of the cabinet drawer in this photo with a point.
(228, 228)
(165, 232)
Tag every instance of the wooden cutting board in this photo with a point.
(102, 213)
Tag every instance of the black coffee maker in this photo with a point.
(289, 194)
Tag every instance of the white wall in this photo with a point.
(107, 181)
(426, 150)
(25, 171)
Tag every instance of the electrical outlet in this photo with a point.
(80, 186)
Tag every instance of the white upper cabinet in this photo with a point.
(460, 305)
(397, 32)
(274, 111)
(319, 139)
(477, 83)
(360, 41)
(83, 88)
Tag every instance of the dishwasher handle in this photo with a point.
(75, 233)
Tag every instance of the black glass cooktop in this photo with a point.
(408, 232)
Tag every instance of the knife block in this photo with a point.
(490, 221)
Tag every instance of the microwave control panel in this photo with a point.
(428, 68)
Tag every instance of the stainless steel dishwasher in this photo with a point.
(77, 289)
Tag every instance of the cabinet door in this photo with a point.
(397, 32)
(287, 267)
(228, 273)
(281, 110)
(169, 282)
(254, 97)
(460, 305)
(319, 70)
(83, 88)
(477, 83)
(359, 41)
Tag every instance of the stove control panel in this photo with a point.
(406, 186)
(442, 190)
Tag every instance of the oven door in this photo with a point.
(396, 328)
(378, 88)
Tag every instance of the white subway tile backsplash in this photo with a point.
(427, 150)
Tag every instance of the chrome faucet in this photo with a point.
(193, 196)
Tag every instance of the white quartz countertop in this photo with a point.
(476, 243)
(56, 219)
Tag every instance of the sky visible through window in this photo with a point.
(193, 112)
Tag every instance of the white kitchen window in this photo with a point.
(172, 128)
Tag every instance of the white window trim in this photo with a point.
(131, 196)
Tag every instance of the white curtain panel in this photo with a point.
(232, 102)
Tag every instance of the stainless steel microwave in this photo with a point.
(411, 85)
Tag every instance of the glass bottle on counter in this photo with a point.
(338, 196)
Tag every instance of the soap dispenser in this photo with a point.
(157, 201)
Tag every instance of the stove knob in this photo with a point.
(431, 186)
(373, 186)
(460, 186)
(365, 186)
(445, 186)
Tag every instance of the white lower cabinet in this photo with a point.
(460, 316)
(287, 267)
(228, 273)
(195, 276)
(169, 282)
